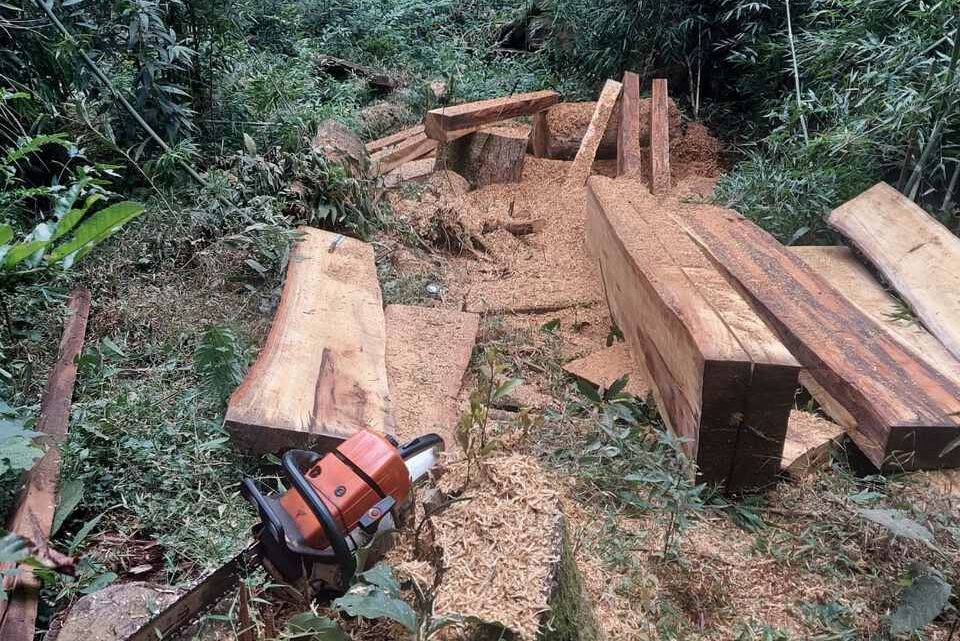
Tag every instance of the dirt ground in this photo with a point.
(795, 561)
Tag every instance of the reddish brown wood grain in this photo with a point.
(906, 410)
(628, 137)
(445, 122)
(659, 138)
(33, 517)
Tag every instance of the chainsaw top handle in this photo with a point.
(293, 462)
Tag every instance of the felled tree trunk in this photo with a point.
(488, 156)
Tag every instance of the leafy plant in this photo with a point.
(920, 601)
(17, 449)
(472, 428)
(219, 361)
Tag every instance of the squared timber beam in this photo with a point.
(580, 168)
(906, 411)
(659, 138)
(628, 137)
(721, 378)
(448, 123)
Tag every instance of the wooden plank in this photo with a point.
(721, 378)
(321, 376)
(540, 134)
(659, 138)
(906, 411)
(390, 158)
(393, 139)
(580, 168)
(428, 352)
(440, 123)
(839, 267)
(809, 439)
(914, 252)
(33, 517)
(605, 366)
(629, 162)
(410, 171)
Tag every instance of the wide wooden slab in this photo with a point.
(33, 516)
(447, 122)
(906, 411)
(722, 380)
(428, 352)
(629, 162)
(660, 181)
(579, 169)
(914, 252)
(321, 376)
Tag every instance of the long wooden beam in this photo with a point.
(446, 123)
(722, 380)
(393, 139)
(659, 138)
(321, 376)
(629, 162)
(915, 253)
(906, 411)
(579, 169)
(389, 158)
(33, 517)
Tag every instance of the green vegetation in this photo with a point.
(184, 238)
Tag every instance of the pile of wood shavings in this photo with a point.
(501, 547)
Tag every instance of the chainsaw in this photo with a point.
(333, 520)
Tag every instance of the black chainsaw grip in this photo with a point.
(249, 491)
(346, 560)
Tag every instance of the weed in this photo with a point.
(220, 360)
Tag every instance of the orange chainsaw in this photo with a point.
(332, 520)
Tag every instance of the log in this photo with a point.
(321, 375)
(340, 68)
(389, 158)
(393, 139)
(628, 138)
(428, 352)
(33, 516)
(489, 156)
(906, 411)
(540, 134)
(579, 170)
(446, 123)
(721, 378)
(659, 138)
(917, 255)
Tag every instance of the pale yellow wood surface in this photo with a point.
(321, 376)
(917, 255)
(580, 168)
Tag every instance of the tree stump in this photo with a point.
(488, 156)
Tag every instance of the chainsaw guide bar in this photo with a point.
(200, 597)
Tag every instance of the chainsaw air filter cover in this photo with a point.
(352, 481)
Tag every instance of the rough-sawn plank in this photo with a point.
(321, 376)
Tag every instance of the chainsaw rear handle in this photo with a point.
(291, 462)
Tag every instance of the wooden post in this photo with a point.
(580, 168)
(540, 136)
(659, 138)
(628, 137)
(38, 499)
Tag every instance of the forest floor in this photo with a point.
(159, 476)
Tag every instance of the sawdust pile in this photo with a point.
(502, 546)
(696, 153)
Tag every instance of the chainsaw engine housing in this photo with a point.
(337, 505)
